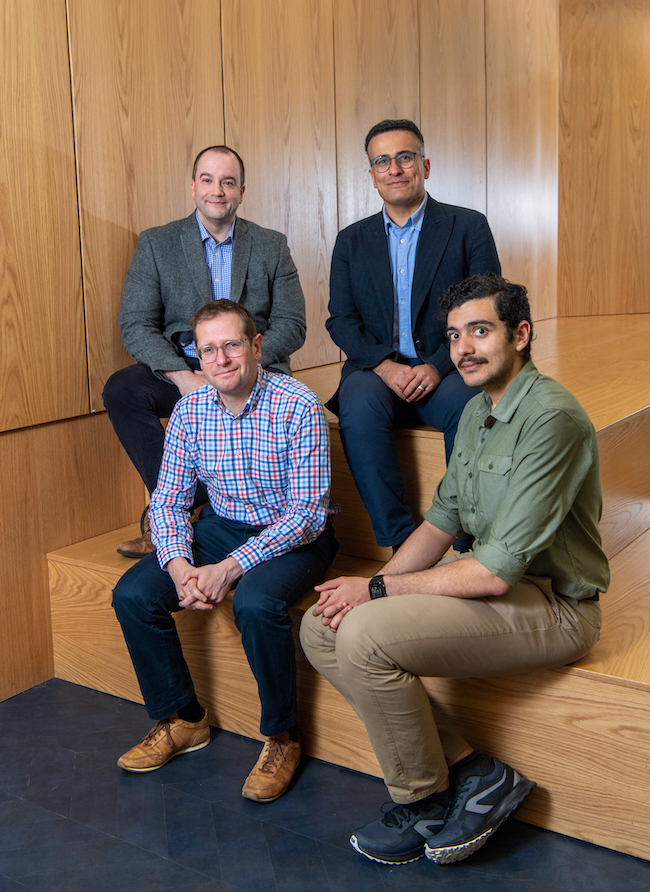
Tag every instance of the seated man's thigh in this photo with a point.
(137, 388)
(444, 407)
(280, 582)
(430, 635)
(145, 589)
(364, 400)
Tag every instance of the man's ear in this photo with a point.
(257, 346)
(522, 335)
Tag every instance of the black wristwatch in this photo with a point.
(377, 588)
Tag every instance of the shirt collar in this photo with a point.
(509, 402)
(253, 398)
(415, 220)
(205, 235)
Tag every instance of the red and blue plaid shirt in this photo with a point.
(268, 466)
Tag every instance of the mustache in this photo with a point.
(474, 360)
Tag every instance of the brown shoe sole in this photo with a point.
(189, 749)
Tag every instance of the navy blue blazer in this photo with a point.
(454, 243)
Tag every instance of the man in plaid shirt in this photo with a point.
(259, 443)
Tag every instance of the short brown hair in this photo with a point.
(221, 150)
(216, 308)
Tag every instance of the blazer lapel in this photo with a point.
(195, 258)
(241, 252)
(379, 269)
(432, 244)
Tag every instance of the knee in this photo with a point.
(314, 638)
(119, 389)
(365, 400)
(255, 613)
(354, 645)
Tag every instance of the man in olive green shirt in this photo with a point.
(524, 480)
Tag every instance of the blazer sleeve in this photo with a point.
(361, 339)
(142, 313)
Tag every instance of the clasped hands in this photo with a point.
(338, 597)
(201, 588)
(409, 383)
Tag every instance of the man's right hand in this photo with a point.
(186, 381)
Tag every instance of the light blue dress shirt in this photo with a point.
(402, 246)
(219, 260)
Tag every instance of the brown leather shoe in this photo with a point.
(138, 547)
(141, 545)
(275, 767)
(169, 738)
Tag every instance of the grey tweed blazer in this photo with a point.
(168, 281)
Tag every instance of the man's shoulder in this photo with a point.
(549, 396)
(285, 385)
(172, 230)
(251, 230)
(438, 210)
(371, 223)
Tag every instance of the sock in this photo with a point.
(193, 712)
(441, 797)
(294, 734)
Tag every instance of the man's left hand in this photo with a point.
(425, 379)
(338, 596)
(214, 581)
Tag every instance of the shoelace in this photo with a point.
(162, 725)
(273, 752)
(398, 815)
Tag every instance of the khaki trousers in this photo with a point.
(382, 647)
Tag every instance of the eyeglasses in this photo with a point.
(405, 160)
(230, 348)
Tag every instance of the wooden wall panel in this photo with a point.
(522, 58)
(453, 100)
(147, 96)
(376, 52)
(42, 360)
(60, 483)
(279, 114)
(604, 261)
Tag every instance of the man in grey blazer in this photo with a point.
(175, 270)
(387, 274)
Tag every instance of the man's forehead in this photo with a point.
(481, 309)
(227, 326)
(397, 140)
(220, 163)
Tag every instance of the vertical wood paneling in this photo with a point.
(376, 52)
(42, 361)
(60, 483)
(452, 99)
(604, 260)
(279, 114)
(147, 97)
(522, 51)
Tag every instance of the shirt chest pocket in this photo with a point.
(493, 477)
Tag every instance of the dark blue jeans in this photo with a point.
(368, 413)
(145, 598)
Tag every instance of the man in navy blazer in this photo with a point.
(176, 269)
(387, 273)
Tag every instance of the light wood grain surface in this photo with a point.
(146, 80)
(453, 102)
(522, 136)
(604, 157)
(42, 360)
(377, 52)
(279, 111)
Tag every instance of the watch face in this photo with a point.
(376, 587)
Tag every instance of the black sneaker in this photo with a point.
(399, 836)
(480, 804)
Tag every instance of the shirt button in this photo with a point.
(402, 271)
(473, 511)
(490, 466)
(402, 240)
(470, 475)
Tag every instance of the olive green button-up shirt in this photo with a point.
(524, 480)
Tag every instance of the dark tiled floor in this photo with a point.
(71, 821)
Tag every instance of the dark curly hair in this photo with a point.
(510, 301)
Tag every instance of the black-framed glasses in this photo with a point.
(404, 160)
(232, 349)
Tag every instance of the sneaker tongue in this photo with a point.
(396, 816)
